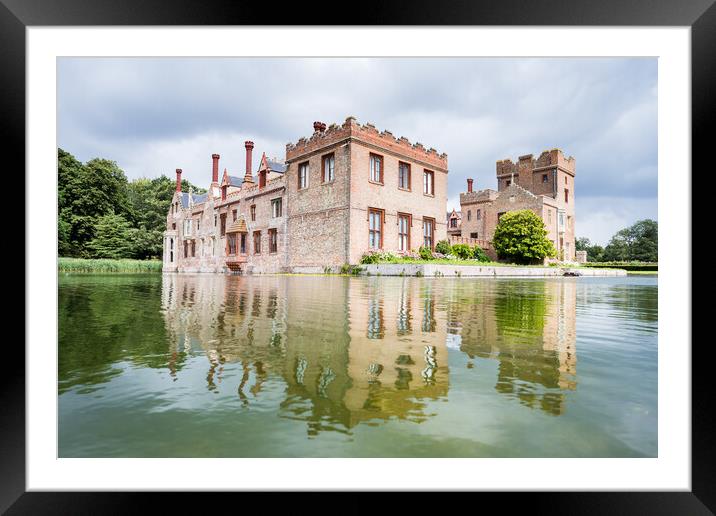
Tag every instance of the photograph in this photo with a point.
(374, 257)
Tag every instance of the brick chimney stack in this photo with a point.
(248, 177)
(469, 185)
(178, 180)
(215, 168)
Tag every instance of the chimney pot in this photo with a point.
(319, 127)
(178, 180)
(215, 168)
(469, 185)
(248, 177)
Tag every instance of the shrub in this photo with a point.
(378, 257)
(443, 247)
(479, 254)
(369, 257)
(425, 253)
(462, 251)
(521, 237)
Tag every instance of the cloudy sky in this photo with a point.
(155, 115)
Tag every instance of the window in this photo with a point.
(375, 228)
(561, 221)
(276, 208)
(215, 219)
(186, 248)
(243, 243)
(193, 248)
(303, 176)
(469, 214)
(253, 213)
(376, 168)
(233, 215)
(428, 182)
(403, 232)
(453, 223)
(508, 182)
(273, 241)
(478, 214)
(545, 179)
(566, 180)
(566, 195)
(257, 242)
(187, 226)
(231, 243)
(473, 235)
(549, 216)
(428, 232)
(329, 162)
(198, 224)
(223, 223)
(403, 176)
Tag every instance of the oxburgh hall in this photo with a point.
(346, 190)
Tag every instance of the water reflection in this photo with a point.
(348, 350)
(530, 329)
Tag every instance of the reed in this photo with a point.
(101, 265)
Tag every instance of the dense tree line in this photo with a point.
(639, 242)
(103, 215)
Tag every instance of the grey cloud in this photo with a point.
(154, 114)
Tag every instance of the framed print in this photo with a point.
(421, 255)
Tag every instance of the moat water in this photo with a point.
(303, 366)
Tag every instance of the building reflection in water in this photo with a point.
(529, 327)
(364, 350)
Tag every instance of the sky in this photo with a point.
(154, 115)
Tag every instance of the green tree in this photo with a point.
(582, 244)
(113, 238)
(595, 253)
(521, 237)
(639, 242)
(87, 192)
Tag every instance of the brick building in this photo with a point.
(544, 185)
(345, 190)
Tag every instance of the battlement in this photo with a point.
(478, 196)
(547, 158)
(366, 133)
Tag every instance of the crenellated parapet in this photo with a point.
(547, 159)
(485, 195)
(366, 133)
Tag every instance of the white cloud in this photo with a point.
(153, 115)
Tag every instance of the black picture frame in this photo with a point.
(16, 15)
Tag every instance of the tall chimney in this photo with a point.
(248, 178)
(178, 180)
(469, 185)
(215, 168)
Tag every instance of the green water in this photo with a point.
(303, 366)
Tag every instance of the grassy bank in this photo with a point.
(627, 266)
(106, 265)
(445, 261)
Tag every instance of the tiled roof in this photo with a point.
(238, 226)
(197, 198)
(236, 181)
(276, 166)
